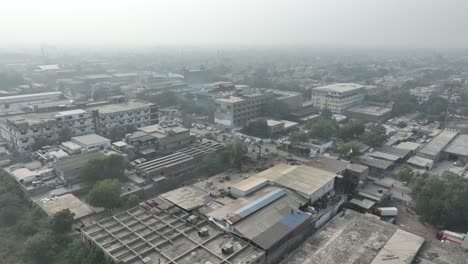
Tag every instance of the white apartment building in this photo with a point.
(236, 111)
(338, 97)
(23, 130)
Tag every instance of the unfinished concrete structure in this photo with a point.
(157, 232)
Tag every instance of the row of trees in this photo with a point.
(325, 127)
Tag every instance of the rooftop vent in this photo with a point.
(227, 249)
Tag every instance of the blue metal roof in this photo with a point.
(295, 219)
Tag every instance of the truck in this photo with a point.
(388, 211)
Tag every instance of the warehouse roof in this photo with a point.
(304, 179)
(438, 143)
(90, 139)
(459, 146)
(408, 145)
(376, 163)
(188, 197)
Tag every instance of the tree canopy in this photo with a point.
(375, 136)
(62, 221)
(323, 128)
(349, 149)
(351, 130)
(108, 167)
(405, 173)
(257, 128)
(275, 109)
(105, 193)
(235, 152)
(441, 201)
(297, 137)
(404, 103)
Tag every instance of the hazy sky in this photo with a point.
(366, 23)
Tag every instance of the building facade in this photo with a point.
(338, 97)
(236, 111)
(24, 130)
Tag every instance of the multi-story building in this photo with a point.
(338, 97)
(132, 114)
(292, 99)
(24, 130)
(236, 111)
(160, 140)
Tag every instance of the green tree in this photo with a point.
(441, 201)
(133, 200)
(401, 124)
(275, 109)
(112, 166)
(349, 149)
(11, 208)
(116, 134)
(326, 113)
(41, 247)
(323, 128)
(434, 106)
(39, 143)
(375, 136)
(297, 137)
(212, 164)
(351, 130)
(257, 128)
(187, 121)
(105, 193)
(235, 153)
(405, 173)
(404, 103)
(64, 134)
(62, 221)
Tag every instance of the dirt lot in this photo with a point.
(409, 221)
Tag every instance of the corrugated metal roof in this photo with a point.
(258, 204)
(281, 229)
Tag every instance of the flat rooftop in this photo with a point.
(158, 233)
(438, 143)
(436, 252)
(188, 197)
(90, 139)
(459, 146)
(231, 99)
(161, 130)
(121, 107)
(339, 87)
(303, 179)
(68, 201)
(357, 238)
(370, 110)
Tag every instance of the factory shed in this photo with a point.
(433, 149)
(458, 148)
(310, 182)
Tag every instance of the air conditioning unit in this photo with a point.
(203, 232)
(227, 249)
